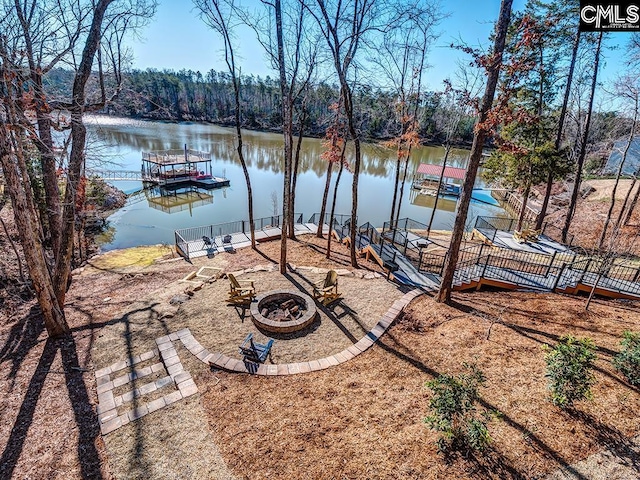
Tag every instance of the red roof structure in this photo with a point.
(436, 170)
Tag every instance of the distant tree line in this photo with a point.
(186, 95)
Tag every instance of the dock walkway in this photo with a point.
(404, 253)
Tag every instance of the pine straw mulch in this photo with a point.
(364, 419)
(49, 427)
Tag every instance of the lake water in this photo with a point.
(117, 144)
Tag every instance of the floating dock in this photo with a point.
(175, 168)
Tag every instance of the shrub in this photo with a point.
(569, 370)
(454, 412)
(627, 361)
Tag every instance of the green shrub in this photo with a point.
(627, 361)
(454, 412)
(569, 370)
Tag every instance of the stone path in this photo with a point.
(178, 382)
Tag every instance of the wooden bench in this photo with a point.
(255, 352)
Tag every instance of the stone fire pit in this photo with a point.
(283, 311)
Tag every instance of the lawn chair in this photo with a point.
(255, 352)
(209, 245)
(326, 292)
(238, 294)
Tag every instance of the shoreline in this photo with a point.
(425, 143)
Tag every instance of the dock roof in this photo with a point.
(176, 157)
(436, 170)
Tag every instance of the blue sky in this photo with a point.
(176, 38)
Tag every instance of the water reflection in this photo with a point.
(177, 199)
(262, 150)
(122, 141)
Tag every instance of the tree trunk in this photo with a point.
(77, 155)
(243, 163)
(287, 131)
(632, 207)
(333, 202)
(615, 185)
(563, 114)
(44, 144)
(625, 203)
(294, 176)
(404, 178)
(44, 140)
(583, 147)
(325, 197)
(26, 220)
(395, 188)
(523, 210)
(444, 294)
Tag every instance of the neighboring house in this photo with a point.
(631, 164)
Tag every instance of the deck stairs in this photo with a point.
(494, 267)
(412, 259)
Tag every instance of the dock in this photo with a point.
(175, 168)
(412, 259)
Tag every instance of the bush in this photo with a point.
(569, 370)
(454, 411)
(627, 361)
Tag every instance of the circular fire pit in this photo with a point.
(283, 311)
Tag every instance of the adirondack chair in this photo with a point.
(239, 294)
(255, 352)
(326, 292)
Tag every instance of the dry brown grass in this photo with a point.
(364, 419)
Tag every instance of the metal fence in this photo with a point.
(341, 224)
(186, 235)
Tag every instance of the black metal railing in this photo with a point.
(340, 223)
(186, 235)
(182, 246)
(555, 233)
(475, 261)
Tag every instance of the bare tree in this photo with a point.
(287, 38)
(401, 56)
(344, 24)
(583, 145)
(218, 15)
(493, 64)
(625, 88)
(23, 102)
(457, 100)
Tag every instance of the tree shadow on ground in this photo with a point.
(496, 463)
(609, 438)
(85, 418)
(23, 336)
(537, 336)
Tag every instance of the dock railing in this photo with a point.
(186, 235)
(555, 234)
(340, 223)
(489, 227)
